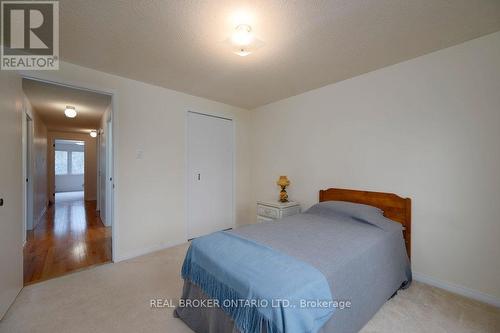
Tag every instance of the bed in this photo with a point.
(357, 241)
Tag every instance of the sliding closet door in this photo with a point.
(210, 174)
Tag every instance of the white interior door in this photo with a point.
(109, 174)
(29, 173)
(210, 174)
(98, 157)
(102, 174)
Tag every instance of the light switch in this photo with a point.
(139, 154)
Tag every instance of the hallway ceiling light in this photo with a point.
(243, 40)
(70, 112)
(93, 133)
(242, 35)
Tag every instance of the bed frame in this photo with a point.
(394, 207)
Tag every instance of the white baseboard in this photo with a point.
(43, 211)
(39, 217)
(144, 251)
(457, 289)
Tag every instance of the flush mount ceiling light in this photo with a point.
(242, 35)
(70, 112)
(243, 40)
(93, 133)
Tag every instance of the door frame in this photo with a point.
(52, 137)
(27, 173)
(109, 173)
(186, 162)
(114, 110)
(98, 159)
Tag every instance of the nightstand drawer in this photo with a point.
(261, 219)
(290, 211)
(266, 211)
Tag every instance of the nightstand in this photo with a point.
(274, 210)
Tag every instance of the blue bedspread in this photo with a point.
(258, 287)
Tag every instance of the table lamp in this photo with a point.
(283, 182)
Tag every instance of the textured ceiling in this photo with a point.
(49, 102)
(178, 44)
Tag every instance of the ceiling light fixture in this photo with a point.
(93, 133)
(243, 40)
(242, 35)
(70, 112)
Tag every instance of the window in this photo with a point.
(61, 162)
(77, 162)
(69, 160)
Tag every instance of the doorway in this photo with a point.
(210, 183)
(70, 232)
(69, 168)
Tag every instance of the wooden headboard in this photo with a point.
(394, 207)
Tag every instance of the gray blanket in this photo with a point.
(361, 253)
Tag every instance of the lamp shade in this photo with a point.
(283, 181)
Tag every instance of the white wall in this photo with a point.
(428, 128)
(69, 183)
(150, 192)
(11, 184)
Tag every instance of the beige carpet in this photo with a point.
(116, 298)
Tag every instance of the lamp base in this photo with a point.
(283, 195)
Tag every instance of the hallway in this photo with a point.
(69, 237)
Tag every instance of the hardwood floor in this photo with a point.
(71, 236)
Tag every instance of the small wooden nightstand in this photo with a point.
(273, 210)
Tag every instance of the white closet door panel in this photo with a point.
(210, 174)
